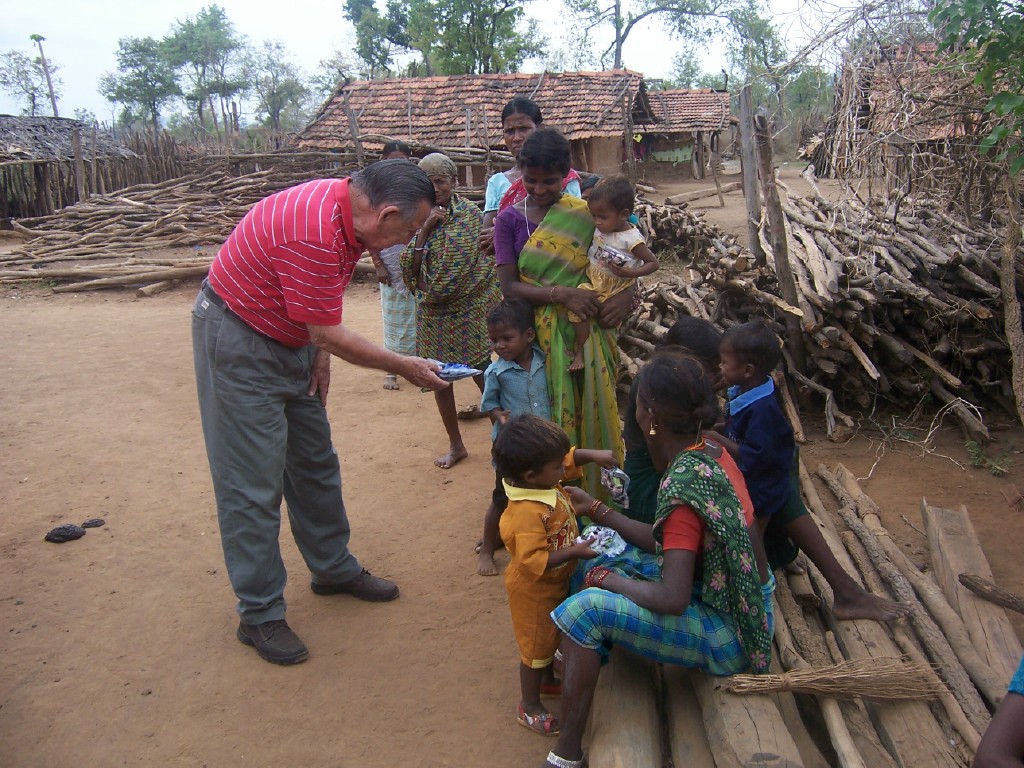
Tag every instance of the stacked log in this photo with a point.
(894, 304)
(964, 668)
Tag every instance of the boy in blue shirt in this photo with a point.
(515, 383)
(760, 439)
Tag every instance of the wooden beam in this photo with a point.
(687, 739)
(625, 731)
(955, 549)
(748, 164)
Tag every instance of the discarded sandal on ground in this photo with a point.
(472, 412)
(545, 724)
(561, 762)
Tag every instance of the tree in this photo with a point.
(276, 82)
(337, 68)
(23, 78)
(684, 18)
(145, 80)
(206, 51)
(38, 40)
(987, 37)
(452, 37)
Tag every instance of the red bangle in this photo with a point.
(593, 509)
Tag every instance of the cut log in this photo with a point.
(955, 549)
(625, 731)
(687, 739)
(699, 194)
(992, 592)
(744, 731)
(907, 728)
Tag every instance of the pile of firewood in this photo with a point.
(894, 304)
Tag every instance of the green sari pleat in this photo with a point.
(582, 403)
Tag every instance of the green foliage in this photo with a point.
(276, 82)
(333, 70)
(144, 82)
(451, 36)
(987, 37)
(977, 457)
(206, 51)
(23, 78)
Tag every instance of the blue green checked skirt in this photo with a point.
(701, 638)
(399, 312)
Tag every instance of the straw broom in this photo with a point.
(881, 678)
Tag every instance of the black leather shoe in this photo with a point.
(365, 586)
(274, 641)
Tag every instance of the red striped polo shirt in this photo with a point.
(289, 260)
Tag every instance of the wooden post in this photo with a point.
(76, 148)
(777, 238)
(627, 127)
(748, 165)
(624, 727)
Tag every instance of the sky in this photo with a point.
(81, 37)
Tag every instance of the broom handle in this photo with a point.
(842, 741)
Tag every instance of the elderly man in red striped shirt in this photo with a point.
(264, 327)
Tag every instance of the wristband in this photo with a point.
(593, 510)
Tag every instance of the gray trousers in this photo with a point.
(266, 438)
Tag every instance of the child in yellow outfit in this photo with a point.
(539, 529)
(618, 255)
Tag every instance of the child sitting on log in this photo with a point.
(539, 529)
(760, 439)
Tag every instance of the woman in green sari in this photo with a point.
(540, 246)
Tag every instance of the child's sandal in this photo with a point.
(544, 724)
(561, 762)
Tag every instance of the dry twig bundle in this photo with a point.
(892, 678)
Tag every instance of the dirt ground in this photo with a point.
(119, 648)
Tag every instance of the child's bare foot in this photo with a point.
(390, 381)
(450, 459)
(868, 606)
(577, 362)
(498, 544)
(485, 565)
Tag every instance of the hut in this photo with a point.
(901, 117)
(596, 111)
(47, 163)
(690, 125)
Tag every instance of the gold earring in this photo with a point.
(653, 430)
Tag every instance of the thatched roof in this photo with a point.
(465, 110)
(687, 110)
(49, 138)
(908, 94)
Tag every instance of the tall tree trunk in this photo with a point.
(618, 35)
(1008, 285)
(38, 40)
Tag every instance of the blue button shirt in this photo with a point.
(508, 386)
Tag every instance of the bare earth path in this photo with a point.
(119, 648)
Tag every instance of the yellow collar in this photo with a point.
(548, 496)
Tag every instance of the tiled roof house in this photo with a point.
(465, 111)
(690, 121)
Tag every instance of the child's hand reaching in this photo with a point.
(499, 416)
(604, 459)
(624, 272)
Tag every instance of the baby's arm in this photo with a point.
(648, 266)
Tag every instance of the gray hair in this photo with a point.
(395, 182)
(436, 164)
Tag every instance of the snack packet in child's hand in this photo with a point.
(617, 483)
(604, 541)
